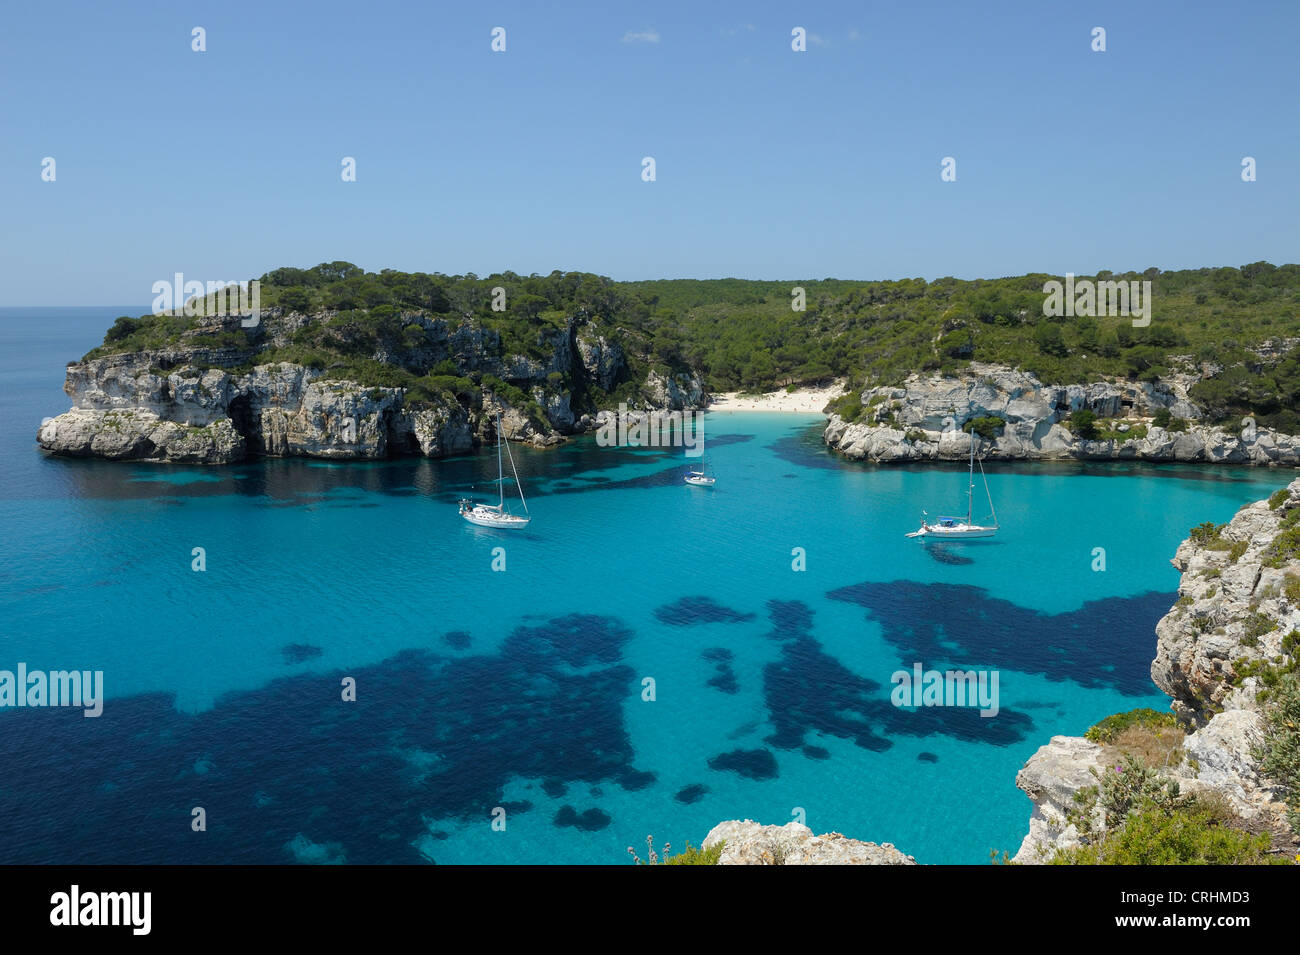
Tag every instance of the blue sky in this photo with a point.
(770, 163)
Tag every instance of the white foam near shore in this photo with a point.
(801, 400)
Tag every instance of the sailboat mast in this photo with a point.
(501, 488)
(701, 414)
(992, 509)
(515, 471)
(970, 490)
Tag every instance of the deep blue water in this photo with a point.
(522, 689)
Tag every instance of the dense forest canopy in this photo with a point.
(743, 334)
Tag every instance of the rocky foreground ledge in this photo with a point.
(751, 843)
(921, 421)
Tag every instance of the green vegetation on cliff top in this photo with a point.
(744, 335)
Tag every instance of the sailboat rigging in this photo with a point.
(498, 515)
(698, 477)
(954, 528)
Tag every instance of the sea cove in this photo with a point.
(522, 690)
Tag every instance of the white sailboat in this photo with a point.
(955, 528)
(697, 477)
(498, 515)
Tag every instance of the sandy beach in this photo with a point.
(802, 400)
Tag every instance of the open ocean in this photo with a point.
(521, 690)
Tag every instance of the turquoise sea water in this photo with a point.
(523, 689)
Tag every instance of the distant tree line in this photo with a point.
(745, 335)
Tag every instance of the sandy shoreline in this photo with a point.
(801, 401)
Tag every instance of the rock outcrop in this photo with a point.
(751, 843)
(1233, 611)
(1050, 778)
(921, 420)
(189, 402)
(601, 360)
(128, 409)
(140, 435)
(1236, 605)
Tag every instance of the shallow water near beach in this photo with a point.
(525, 690)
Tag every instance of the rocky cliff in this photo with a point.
(191, 402)
(921, 420)
(1237, 605)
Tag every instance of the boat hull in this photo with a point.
(700, 481)
(490, 518)
(958, 533)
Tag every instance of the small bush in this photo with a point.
(1255, 625)
(1155, 747)
(1271, 675)
(1111, 431)
(1195, 833)
(1285, 547)
(1280, 755)
(1206, 533)
(694, 856)
(849, 407)
(1275, 500)
(1210, 537)
(987, 427)
(1108, 729)
(123, 328)
(1084, 424)
(1292, 588)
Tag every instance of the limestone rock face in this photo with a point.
(557, 409)
(556, 343)
(601, 360)
(1222, 751)
(751, 843)
(927, 409)
(209, 416)
(435, 432)
(673, 393)
(332, 419)
(137, 435)
(190, 402)
(1201, 643)
(1050, 778)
